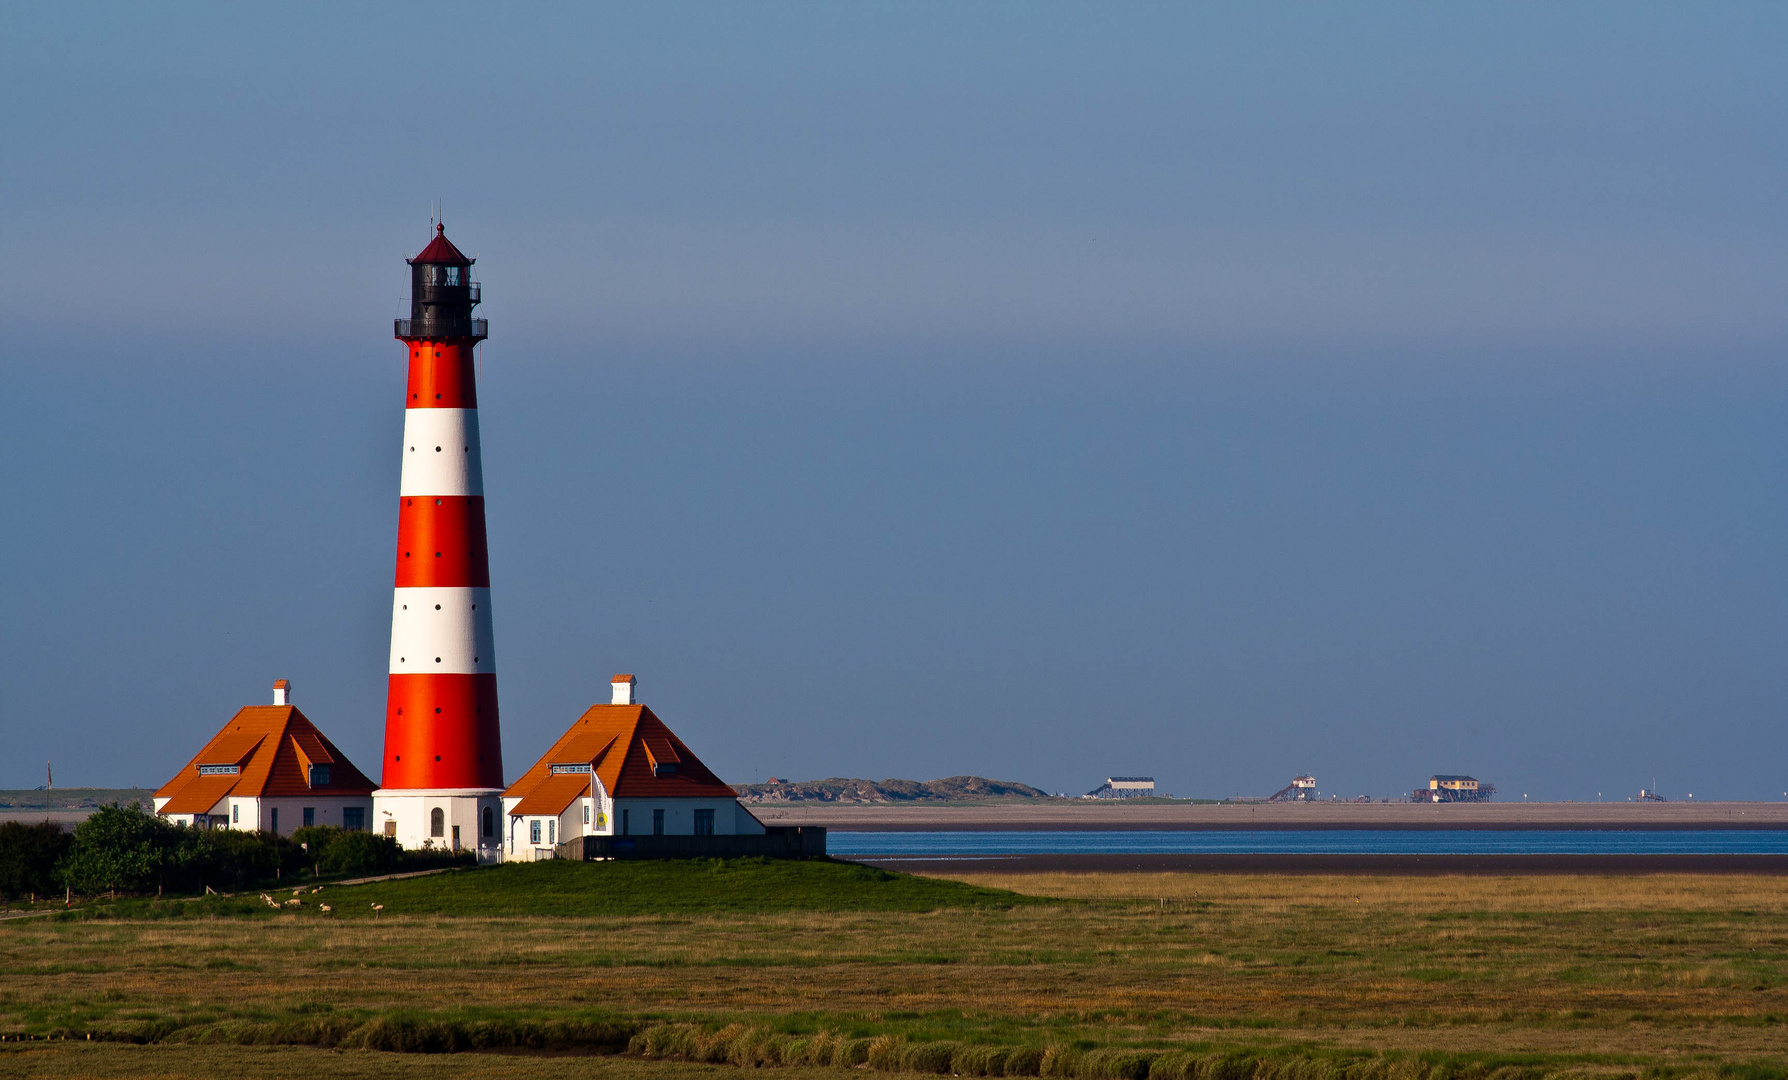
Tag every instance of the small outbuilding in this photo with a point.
(269, 768)
(618, 771)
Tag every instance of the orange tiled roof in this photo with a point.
(622, 743)
(553, 794)
(273, 746)
(200, 794)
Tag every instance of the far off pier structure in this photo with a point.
(1446, 787)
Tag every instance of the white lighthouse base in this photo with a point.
(442, 819)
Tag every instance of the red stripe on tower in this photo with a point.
(443, 763)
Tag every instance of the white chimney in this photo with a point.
(282, 691)
(623, 685)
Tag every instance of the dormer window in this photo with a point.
(664, 768)
(319, 776)
(219, 770)
(574, 767)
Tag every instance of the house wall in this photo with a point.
(258, 813)
(730, 818)
(679, 816)
(407, 815)
(328, 811)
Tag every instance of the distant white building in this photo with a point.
(617, 771)
(1123, 787)
(269, 768)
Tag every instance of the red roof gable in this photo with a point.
(622, 744)
(273, 747)
(441, 251)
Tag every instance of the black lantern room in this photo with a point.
(442, 295)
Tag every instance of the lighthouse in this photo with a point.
(442, 772)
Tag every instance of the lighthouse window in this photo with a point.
(437, 822)
(453, 275)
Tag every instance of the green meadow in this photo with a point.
(663, 969)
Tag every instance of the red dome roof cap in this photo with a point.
(441, 252)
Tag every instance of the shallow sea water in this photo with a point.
(1316, 842)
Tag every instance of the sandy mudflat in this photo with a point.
(1168, 816)
(1366, 865)
(68, 819)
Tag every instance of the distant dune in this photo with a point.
(840, 789)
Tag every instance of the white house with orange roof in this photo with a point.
(269, 768)
(618, 771)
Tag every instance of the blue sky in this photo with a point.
(1035, 390)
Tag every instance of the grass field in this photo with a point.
(1585, 976)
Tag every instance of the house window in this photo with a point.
(586, 813)
(552, 831)
(391, 830)
(354, 818)
(704, 823)
(657, 823)
(235, 813)
(487, 824)
(219, 770)
(274, 816)
(534, 831)
(319, 776)
(437, 822)
(310, 816)
(626, 823)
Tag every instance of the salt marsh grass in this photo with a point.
(1681, 974)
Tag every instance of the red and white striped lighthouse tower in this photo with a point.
(443, 765)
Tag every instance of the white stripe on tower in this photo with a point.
(442, 630)
(441, 455)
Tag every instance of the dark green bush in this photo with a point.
(28, 856)
(122, 848)
(343, 851)
(228, 859)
